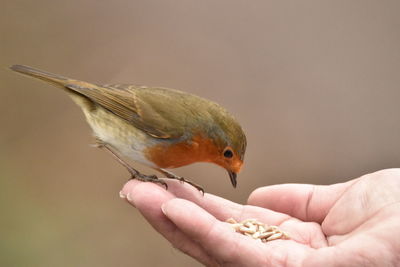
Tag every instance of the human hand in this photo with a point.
(350, 224)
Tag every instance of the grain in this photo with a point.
(258, 230)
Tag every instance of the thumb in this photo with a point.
(303, 201)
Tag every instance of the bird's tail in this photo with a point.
(54, 79)
(74, 88)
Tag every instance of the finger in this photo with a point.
(303, 201)
(222, 209)
(222, 243)
(148, 198)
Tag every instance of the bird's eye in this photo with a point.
(228, 153)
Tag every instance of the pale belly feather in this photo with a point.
(123, 137)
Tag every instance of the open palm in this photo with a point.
(349, 224)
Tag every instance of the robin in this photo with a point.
(158, 127)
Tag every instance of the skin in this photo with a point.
(348, 224)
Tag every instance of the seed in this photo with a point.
(266, 234)
(274, 236)
(285, 235)
(231, 220)
(256, 235)
(258, 230)
(274, 228)
(249, 230)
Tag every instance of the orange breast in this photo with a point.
(167, 155)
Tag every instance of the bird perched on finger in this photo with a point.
(158, 127)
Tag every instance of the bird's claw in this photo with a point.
(148, 178)
(198, 187)
(181, 179)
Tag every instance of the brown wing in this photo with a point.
(143, 107)
(159, 112)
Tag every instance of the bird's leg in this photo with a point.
(134, 173)
(183, 180)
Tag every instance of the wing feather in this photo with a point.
(143, 107)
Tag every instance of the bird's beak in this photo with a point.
(233, 176)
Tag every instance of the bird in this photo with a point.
(158, 127)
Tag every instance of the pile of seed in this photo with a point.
(258, 230)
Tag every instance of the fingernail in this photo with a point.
(129, 197)
(163, 209)
(122, 195)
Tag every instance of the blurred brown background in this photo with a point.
(314, 84)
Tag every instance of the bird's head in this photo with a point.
(211, 135)
(230, 142)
